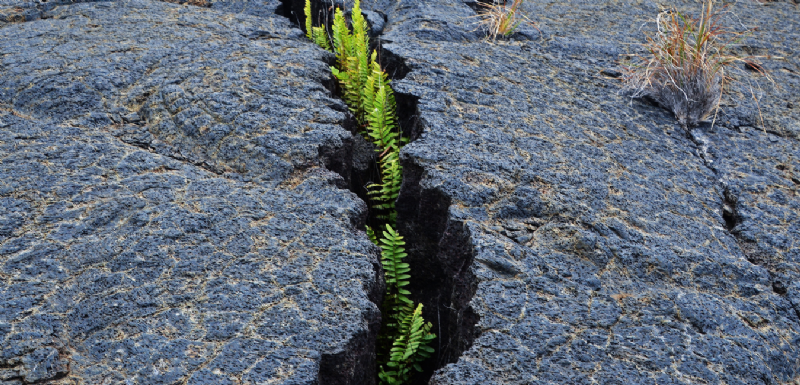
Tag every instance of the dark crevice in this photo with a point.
(287, 10)
(364, 172)
(339, 159)
(394, 65)
(649, 101)
(752, 252)
(750, 247)
(284, 9)
(408, 115)
(732, 219)
(439, 249)
(440, 253)
(729, 214)
(779, 288)
(355, 363)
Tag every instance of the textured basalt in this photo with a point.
(173, 204)
(168, 214)
(606, 244)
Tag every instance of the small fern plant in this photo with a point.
(371, 235)
(406, 331)
(405, 338)
(396, 273)
(316, 34)
(385, 193)
(380, 109)
(351, 49)
(409, 349)
(382, 129)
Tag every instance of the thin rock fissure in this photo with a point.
(439, 249)
(731, 216)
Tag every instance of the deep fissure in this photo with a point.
(439, 250)
(441, 253)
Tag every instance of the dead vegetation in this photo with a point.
(685, 69)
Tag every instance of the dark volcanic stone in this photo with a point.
(168, 213)
(165, 213)
(581, 237)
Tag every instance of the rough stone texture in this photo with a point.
(165, 212)
(602, 242)
(167, 217)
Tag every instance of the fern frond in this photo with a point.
(368, 99)
(320, 36)
(341, 38)
(385, 193)
(371, 235)
(351, 48)
(307, 13)
(316, 34)
(409, 349)
(382, 113)
(360, 26)
(351, 87)
(360, 45)
(396, 272)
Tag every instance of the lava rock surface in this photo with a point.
(172, 206)
(606, 244)
(167, 212)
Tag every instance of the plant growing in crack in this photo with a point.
(405, 336)
(316, 34)
(406, 331)
(685, 68)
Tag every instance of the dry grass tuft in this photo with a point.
(685, 70)
(501, 19)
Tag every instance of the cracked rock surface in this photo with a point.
(172, 211)
(606, 244)
(166, 215)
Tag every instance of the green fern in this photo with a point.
(405, 337)
(316, 34)
(371, 235)
(351, 48)
(409, 349)
(309, 28)
(385, 194)
(320, 36)
(380, 109)
(395, 270)
(382, 129)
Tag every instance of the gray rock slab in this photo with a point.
(592, 239)
(165, 211)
